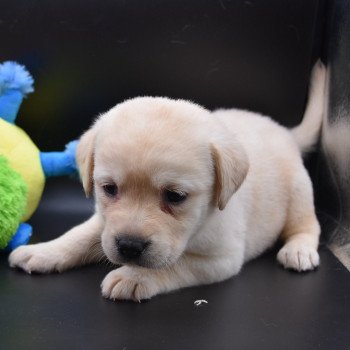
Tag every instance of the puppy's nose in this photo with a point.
(131, 248)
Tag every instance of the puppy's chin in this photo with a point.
(147, 261)
(150, 263)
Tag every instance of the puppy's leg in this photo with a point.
(302, 229)
(78, 246)
(137, 283)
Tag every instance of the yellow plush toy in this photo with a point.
(23, 168)
(24, 157)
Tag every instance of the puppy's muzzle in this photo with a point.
(131, 248)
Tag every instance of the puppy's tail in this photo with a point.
(307, 133)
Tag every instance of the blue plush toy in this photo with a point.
(23, 168)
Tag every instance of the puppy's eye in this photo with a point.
(174, 197)
(111, 190)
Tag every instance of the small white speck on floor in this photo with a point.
(200, 302)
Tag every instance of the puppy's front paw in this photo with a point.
(36, 258)
(125, 283)
(298, 256)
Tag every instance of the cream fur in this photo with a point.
(246, 186)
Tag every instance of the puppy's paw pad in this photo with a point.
(122, 284)
(33, 258)
(298, 257)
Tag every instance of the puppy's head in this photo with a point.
(157, 167)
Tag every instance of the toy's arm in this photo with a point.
(9, 105)
(15, 83)
(60, 163)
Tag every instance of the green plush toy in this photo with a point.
(13, 194)
(23, 168)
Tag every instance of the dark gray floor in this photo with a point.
(265, 307)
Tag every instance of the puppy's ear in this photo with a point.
(231, 167)
(85, 158)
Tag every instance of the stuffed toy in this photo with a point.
(23, 168)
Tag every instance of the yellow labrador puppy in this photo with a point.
(185, 196)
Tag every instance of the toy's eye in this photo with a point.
(111, 190)
(174, 197)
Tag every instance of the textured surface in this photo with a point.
(265, 307)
